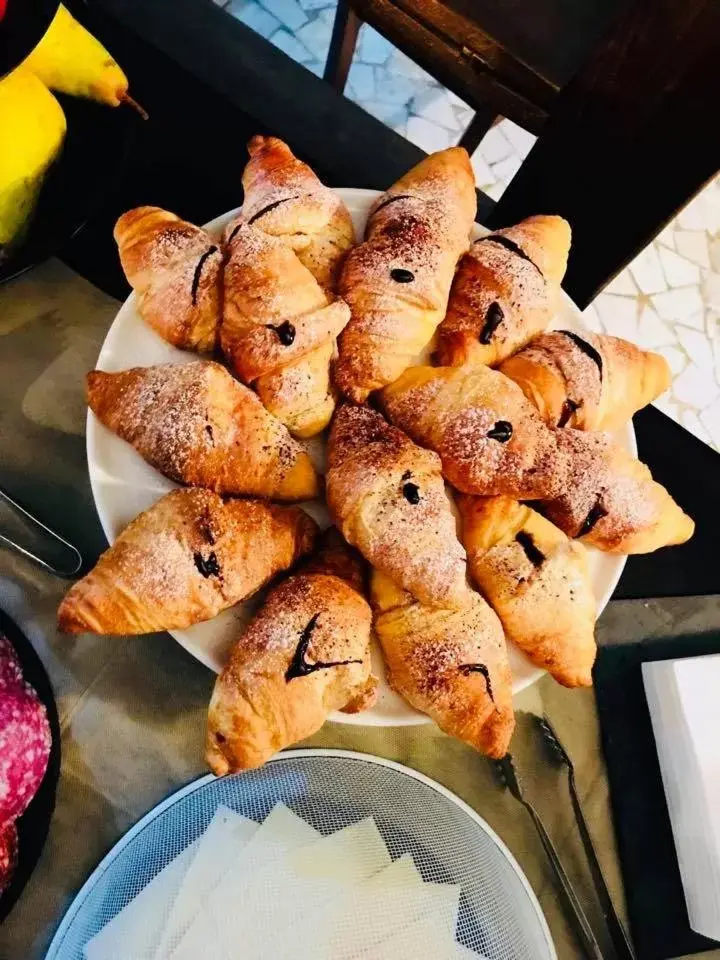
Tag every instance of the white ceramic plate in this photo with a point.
(123, 485)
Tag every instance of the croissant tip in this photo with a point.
(216, 760)
(259, 142)
(68, 622)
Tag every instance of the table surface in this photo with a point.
(132, 711)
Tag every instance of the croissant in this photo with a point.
(388, 498)
(175, 269)
(590, 382)
(505, 291)
(397, 282)
(489, 436)
(284, 198)
(279, 328)
(184, 560)
(610, 499)
(450, 664)
(199, 426)
(304, 654)
(536, 580)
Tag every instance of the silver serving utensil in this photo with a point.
(505, 769)
(557, 752)
(75, 560)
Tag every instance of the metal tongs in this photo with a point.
(74, 558)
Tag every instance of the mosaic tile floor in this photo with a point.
(668, 299)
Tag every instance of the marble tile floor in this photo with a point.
(667, 300)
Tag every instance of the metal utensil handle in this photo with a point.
(577, 914)
(617, 931)
(77, 557)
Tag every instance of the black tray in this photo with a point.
(653, 888)
(34, 823)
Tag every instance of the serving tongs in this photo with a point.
(72, 554)
(505, 770)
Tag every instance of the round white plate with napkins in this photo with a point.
(123, 485)
(319, 855)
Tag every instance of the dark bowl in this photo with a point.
(94, 154)
(33, 825)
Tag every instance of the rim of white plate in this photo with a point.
(305, 752)
(365, 718)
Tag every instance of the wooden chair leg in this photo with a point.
(477, 128)
(342, 45)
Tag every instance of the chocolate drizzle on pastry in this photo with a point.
(569, 408)
(267, 209)
(385, 203)
(207, 566)
(535, 556)
(502, 431)
(400, 275)
(234, 231)
(511, 246)
(587, 348)
(467, 668)
(285, 332)
(411, 492)
(597, 512)
(493, 318)
(198, 271)
(299, 666)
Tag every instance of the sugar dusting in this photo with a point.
(574, 368)
(422, 232)
(598, 471)
(416, 544)
(489, 274)
(454, 411)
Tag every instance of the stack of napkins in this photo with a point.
(684, 701)
(282, 890)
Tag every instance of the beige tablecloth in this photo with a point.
(133, 710)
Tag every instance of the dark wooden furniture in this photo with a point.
(629, 140)
(503, 57)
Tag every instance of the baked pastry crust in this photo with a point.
(388, 498)
(587, 381)
(505, 291)
(397, 282)
(490, 438)
(199, 426)
(279, 328)
(303, 655)
(536, 580)
(184, 560)
(450, 664)
(610, 499)
(175, 269)
(285, 199)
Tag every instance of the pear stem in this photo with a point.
(126, 98)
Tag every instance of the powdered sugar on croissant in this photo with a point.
(397, 282)
(175, 269)
(285, 199)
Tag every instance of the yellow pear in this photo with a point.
(32, 129)
(69, 59)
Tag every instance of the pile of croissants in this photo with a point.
(310, 329)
